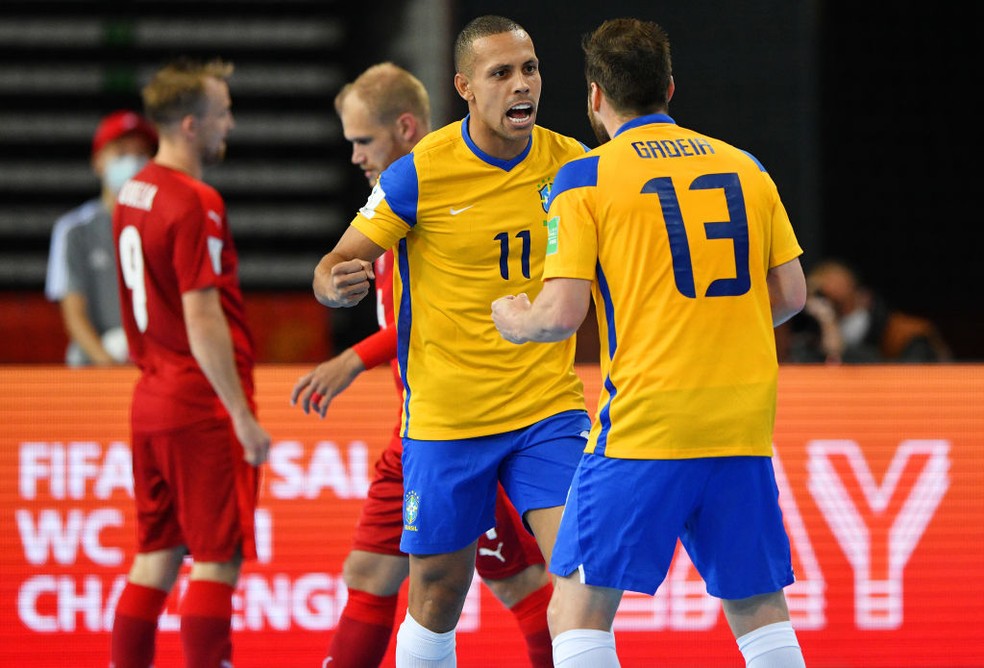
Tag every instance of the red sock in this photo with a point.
(531, 614)
(135, 626)
(363, 631)
(206, 624)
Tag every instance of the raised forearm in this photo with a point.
(324, 289)
(556, 314)
(342, 277)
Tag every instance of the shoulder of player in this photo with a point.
(738, 154)
(181, 182)
(184, 192)
(691, 140)
(720, 145)
(436, 148)
(555, 142)
(80, 215)
(553, 150)
(442, 139)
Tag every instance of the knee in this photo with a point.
(157, 569)
(218, 571)
(437, 593)
(446, 587)
(577, 606)
(554, 615)
(513, 589)
(356, 571)
(377, 574)
(453, 575)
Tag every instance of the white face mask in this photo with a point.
(120, 169)
(854, 326)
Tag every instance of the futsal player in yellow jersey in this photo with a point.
(466, 211)
(469, 224)
(686, 248)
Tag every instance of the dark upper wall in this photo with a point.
(859, 111)
(743, 73)
(897, 176)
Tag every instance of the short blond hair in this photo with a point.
(178, 89)
(388, 91)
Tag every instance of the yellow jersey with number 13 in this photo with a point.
(468, 229)
(677, 232)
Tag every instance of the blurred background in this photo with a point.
(859, 112)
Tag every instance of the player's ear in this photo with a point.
(406, 126)
(189, 124)
(594, 96)
(670, 89)
(98, 163)
(463, 86)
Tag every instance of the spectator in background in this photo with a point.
(384, 113)
(197, 445)
(82, 260)
(846, 322)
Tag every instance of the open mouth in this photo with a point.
(520, 114)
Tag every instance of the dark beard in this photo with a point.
(214, 157)
(599, 130)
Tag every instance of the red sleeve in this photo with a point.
(193, 245)
(377, 348)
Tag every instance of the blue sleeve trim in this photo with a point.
(399, 182)
(755, 160)
(580, 173)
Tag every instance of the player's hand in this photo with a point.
(831, 340)
(254, 438)
(349, 282)
(508, 314)
(821, 309)
(317, 388)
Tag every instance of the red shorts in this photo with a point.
(192, 487)
(507, 548)
(503, 551)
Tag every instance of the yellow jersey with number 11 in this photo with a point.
(470, 228)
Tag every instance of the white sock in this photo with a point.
(585, 648)
(419, 647)
(772, 646)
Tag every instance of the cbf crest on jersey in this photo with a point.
(543, 187)
(411, 510)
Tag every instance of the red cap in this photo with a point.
(119, 123)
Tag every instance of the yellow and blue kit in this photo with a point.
(677, 232)
(470, 228)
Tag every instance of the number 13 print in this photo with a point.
(735, 229)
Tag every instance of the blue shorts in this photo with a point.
(449, 487)
(623, 518)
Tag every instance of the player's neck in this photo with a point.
(181, 157)
(494, 144)
(108, 198)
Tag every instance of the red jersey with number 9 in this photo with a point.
(172, 237)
